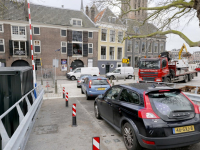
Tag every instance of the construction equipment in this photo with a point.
(181, 50)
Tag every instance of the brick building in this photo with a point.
(72, 33)
(174, 54)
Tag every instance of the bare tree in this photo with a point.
(167, 15)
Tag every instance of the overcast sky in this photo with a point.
(173, 41)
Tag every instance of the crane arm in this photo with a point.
(181, 50)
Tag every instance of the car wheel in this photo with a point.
(192, 76)
(112, 77)
(130, 138)
(82, 91)
(189, 77)
(129, 77)
(73, 78)
(87, 97)
(186, 79)
(96, 111)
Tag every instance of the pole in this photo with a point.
(55, 71)
(33, 64)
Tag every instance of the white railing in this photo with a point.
(19, 138)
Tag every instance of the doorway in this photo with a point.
(19, 63)
(107, 68)
(77, 63)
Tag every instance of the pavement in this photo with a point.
(53, 127)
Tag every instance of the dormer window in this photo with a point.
(112, 19)
(77, 22)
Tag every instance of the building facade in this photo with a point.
(69, 36)
(196, 57)
(137, 48)
(110, 46)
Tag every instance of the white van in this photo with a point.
(121, 72)
(75, 74)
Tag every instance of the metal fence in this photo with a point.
(48, 73)
(19, 138)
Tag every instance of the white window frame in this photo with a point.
(114, 36)
(103, 65)
(76, 19)
(162, 43)
(106, 35)
(3, 46)
(118, 36)
(2, 28)
(109, 53)
(138, 46)
(148, 44)
(63, 46)
(106, 52)
(18, 30)
(37, 45)
(113, 20)
(19, 47)
(34, 30)
(61, 32)
(90, 47)
(77, 41)
(117, 53)
(92, 35)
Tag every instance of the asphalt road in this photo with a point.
(111, 138)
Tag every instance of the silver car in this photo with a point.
(81, 79)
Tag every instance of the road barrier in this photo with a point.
(19, 139)
(63, 92)
(74, 115)
(96, 143)
(66, 98)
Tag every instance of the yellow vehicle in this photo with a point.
(181, 50)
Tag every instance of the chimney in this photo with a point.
(87, 11)
(26, 10)
(92, 13)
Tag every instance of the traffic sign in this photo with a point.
(125, 61)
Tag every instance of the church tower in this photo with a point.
(137, 15)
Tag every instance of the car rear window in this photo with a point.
(99, 82)
(172, 101)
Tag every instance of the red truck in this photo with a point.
(161, 69)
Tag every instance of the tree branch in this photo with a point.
(181, 35)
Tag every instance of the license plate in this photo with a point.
(183, 129)
(101, 88)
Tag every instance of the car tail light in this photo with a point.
(148, 142)
(90, 83)
(196, 107)
(78, 81)
(147, 112)
(158, 79)
(108, 82)
(99, 73)
(140, 79)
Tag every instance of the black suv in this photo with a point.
(150, 115)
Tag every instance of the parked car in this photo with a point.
(81, 79)
(75, 74)
(94, 86)
(121, 72)
(150, 115)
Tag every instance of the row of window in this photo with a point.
(19, 47)
(112, 36)
(145, 45)
(111, 53)
(21, 30)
